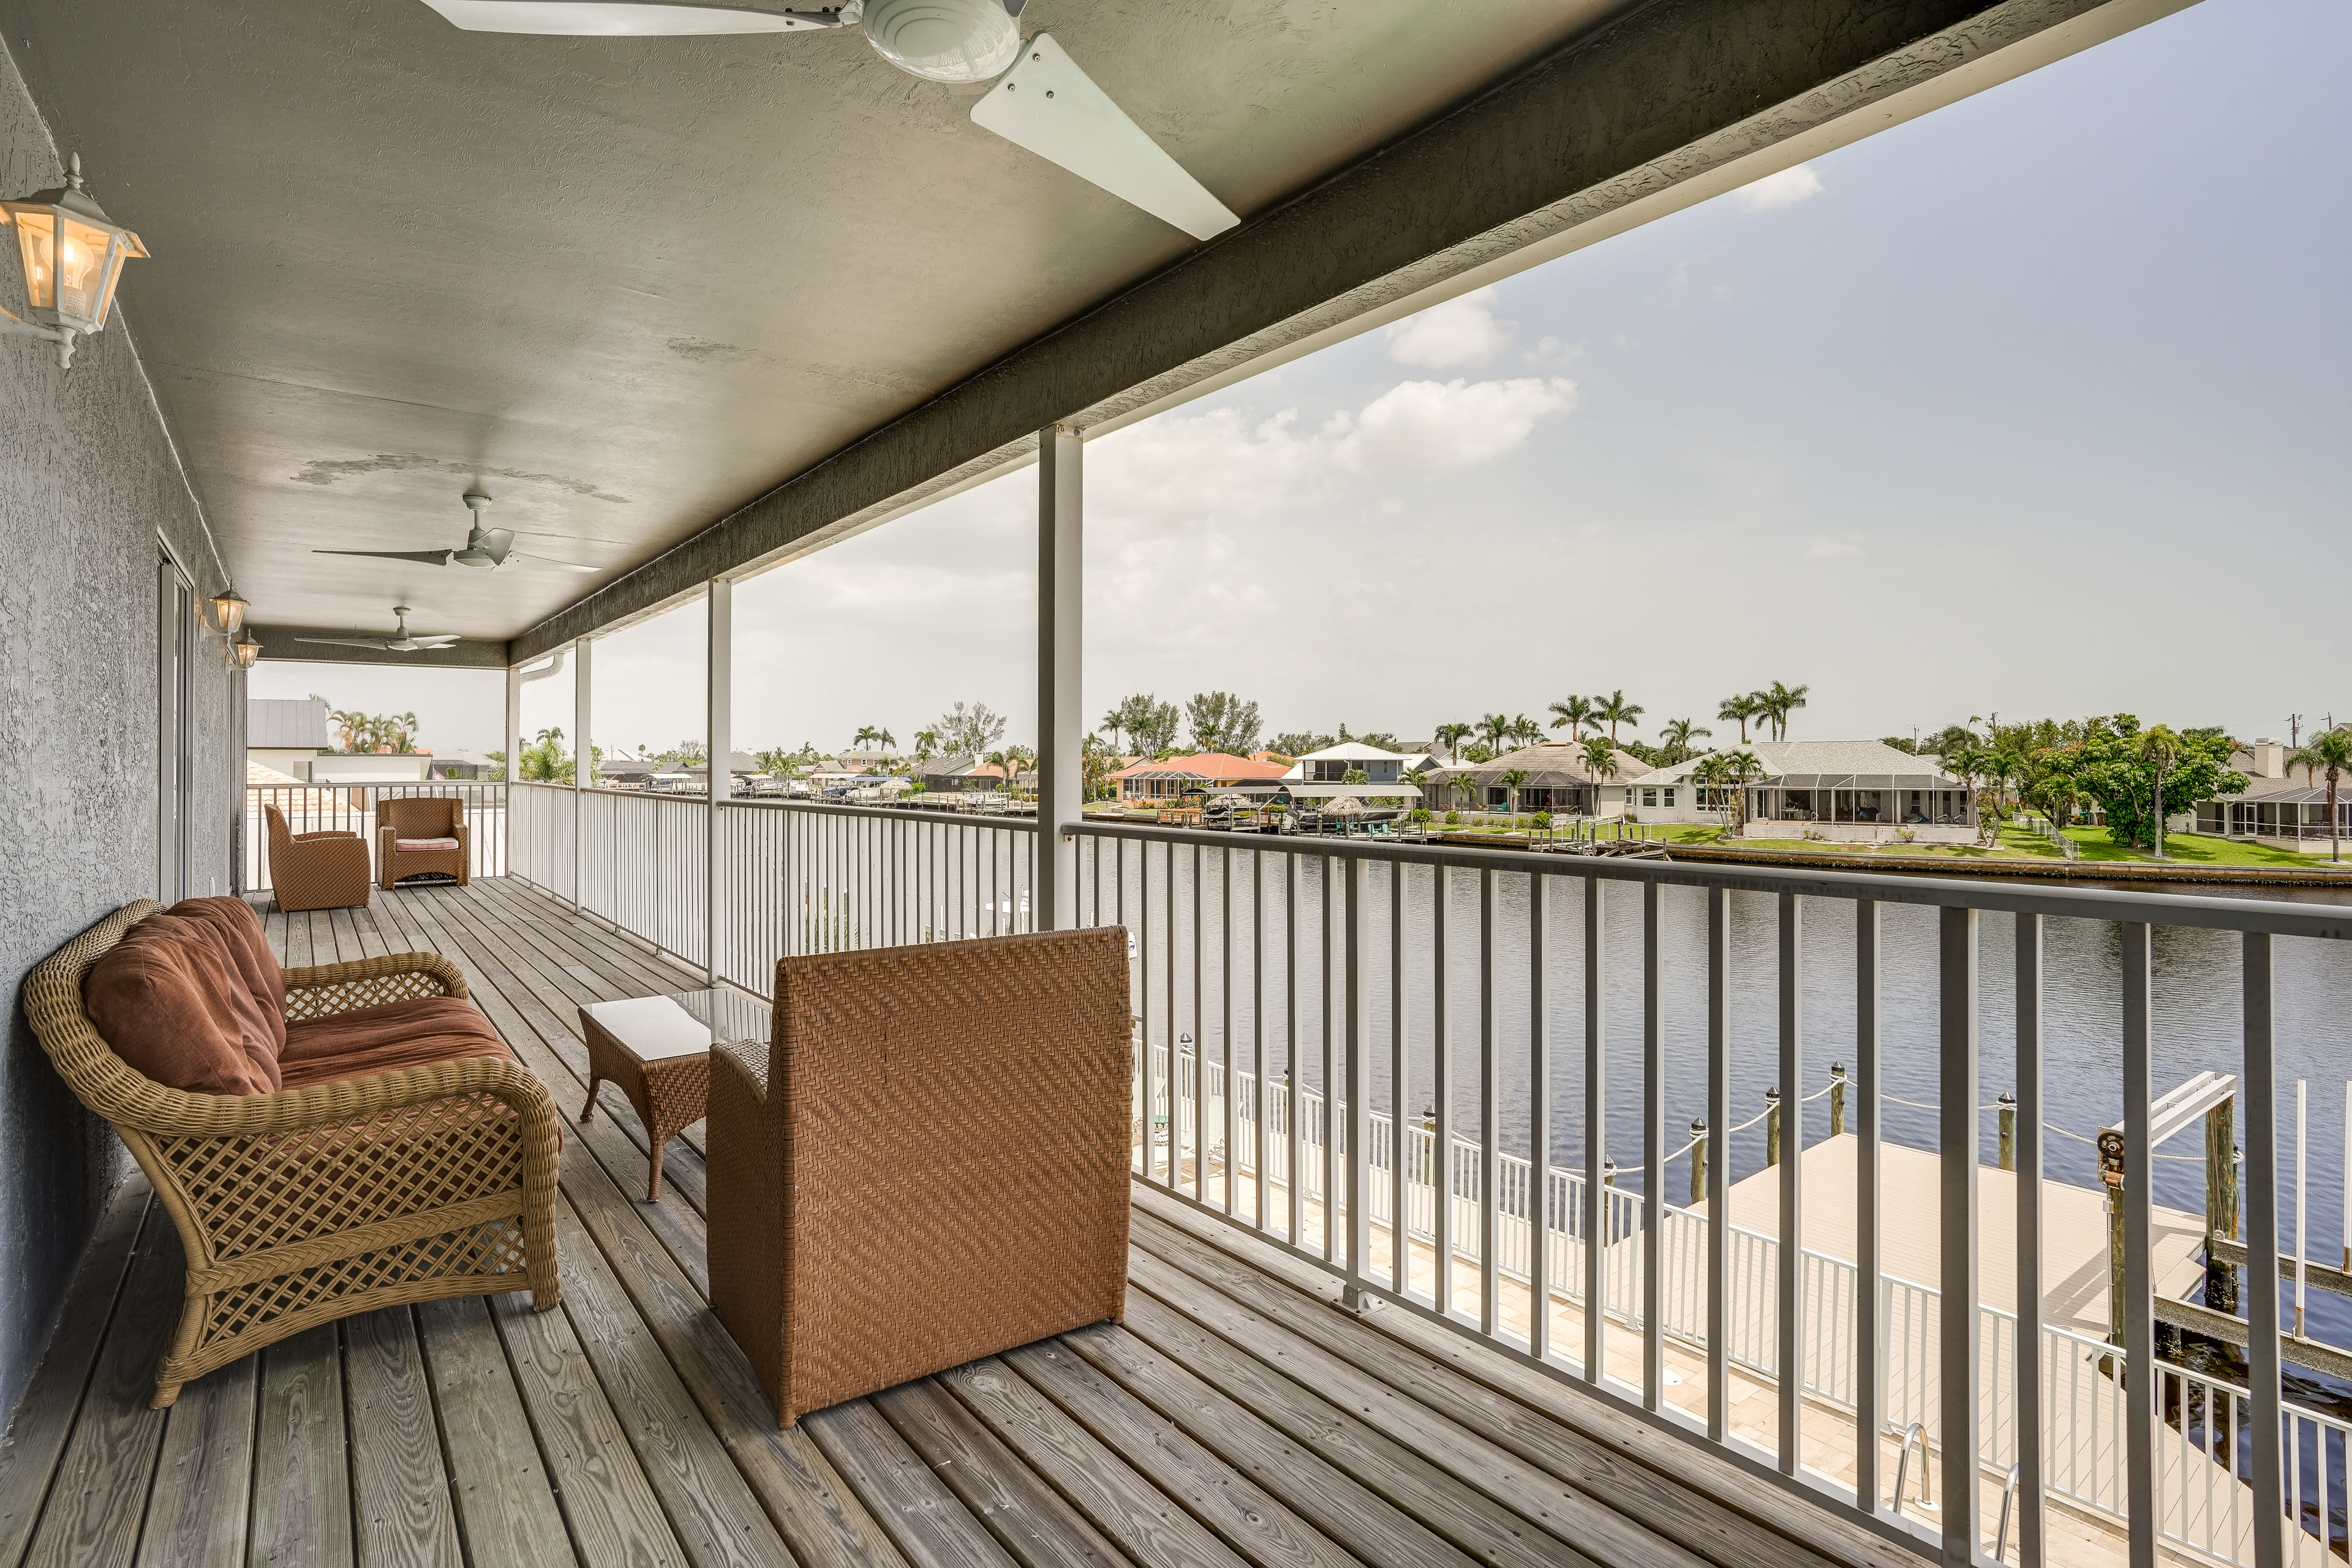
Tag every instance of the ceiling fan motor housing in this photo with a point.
(955, 41)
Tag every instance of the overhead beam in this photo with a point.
(281, 644)
(1677, 101)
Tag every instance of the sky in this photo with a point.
(2035, 405)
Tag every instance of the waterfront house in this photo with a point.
(1153, 780)
(1555, 779)
(2281, 808)
(1853, 791)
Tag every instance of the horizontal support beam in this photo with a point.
(1674, 102)
(2335, 1281)
(281, 644)
(2308, 1354)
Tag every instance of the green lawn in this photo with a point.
(2189, 848)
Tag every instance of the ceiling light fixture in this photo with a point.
(73, 255)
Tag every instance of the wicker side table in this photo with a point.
(657, 1050)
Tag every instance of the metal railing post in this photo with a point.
(583, 761)
(1596, 1138)
(1718, 1177)
(1789, 1358)
(1956, 1159)
(718, 694)
(1539, 1124)
(2260, 1106)
(2140, 1376)
(1869, 1387)
(1061, 729)
(1654, 1155)
(1360, 1095)
(2031, 1516)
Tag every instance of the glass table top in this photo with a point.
(682, 1023)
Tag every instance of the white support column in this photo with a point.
(583, 761)
(718, 688)
(514, 724)
(1061, 732)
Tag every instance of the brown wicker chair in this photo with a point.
(927, 1165)
(305, 1205)
(315, 870)
(419, 817)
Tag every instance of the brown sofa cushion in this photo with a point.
(235, 930)
(415, 1033)
(175, 1008)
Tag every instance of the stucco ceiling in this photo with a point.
(625, 285)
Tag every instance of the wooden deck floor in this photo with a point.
(1237, 1416)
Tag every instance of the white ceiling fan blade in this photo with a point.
(438, 641)
(619, 18)
(531, 563)
(377, 643)
(1047, 104)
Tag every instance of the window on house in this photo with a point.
(1670, 799)
(1649, 797)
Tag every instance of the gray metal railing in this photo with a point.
(1276, 950)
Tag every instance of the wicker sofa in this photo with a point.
(926, 1164)
(315, 870)
(310, 1204)
(433, 828)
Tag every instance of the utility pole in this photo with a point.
(2294, 731)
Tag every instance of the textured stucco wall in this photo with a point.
(88, 484)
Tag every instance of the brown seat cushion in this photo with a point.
(415, 1033)
(174, 1007)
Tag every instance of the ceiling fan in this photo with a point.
(399, 642)
(1039, 98)
(486, 549)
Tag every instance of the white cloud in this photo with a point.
(1178, 472)
(1461, 331)
(1785, 189)
(1824, 545)
(1433, 426)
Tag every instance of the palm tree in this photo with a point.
(1736, 769)
(865, 732)
(2160, 749)
(1526, 731)
(1599, 759)
(1679, 734)
(1739, 708)
(1577, 713)
(1777, 701)
(1615, 711)
(1494, 729)
(1466, 786)
(927, 742)
(1451, 737)
(2330, 752)
(886, 741)
(1512, 779)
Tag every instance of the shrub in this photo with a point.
(1543, 820)
(1452, 819)
(1419, 814)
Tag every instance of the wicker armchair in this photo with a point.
(305, 1205)
(413, 817)
(315, 870)
(928, 1164)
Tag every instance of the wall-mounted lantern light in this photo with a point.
(244, 650)
(73, 255)
(225, 612)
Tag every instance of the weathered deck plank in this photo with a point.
(1029, 1518)
(402, 1518)
(45, 1415)
(201, 1503)
(506, 1511)
(97, 1498)
(302, 1467)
